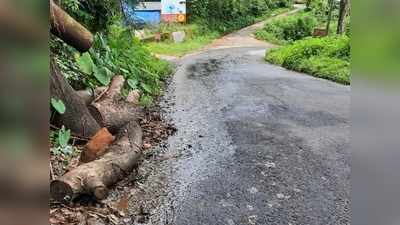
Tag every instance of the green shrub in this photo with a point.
(122, 53)
(279, 3)
(288, 29)
(319, 8)
(327, 68)
(96, 15)
(228, 15)
(327, 57)
(115, 51)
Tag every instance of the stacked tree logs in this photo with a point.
(106, 158)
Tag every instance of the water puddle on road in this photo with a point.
(204, 69)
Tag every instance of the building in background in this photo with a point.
(173, 10)
(153, 12)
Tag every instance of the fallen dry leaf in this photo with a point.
(123, 204)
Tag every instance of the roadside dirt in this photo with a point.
(127, 202)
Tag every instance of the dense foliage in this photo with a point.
(119, 52)
(96, 15)
(287, 29)
(327, 57)
(115, 51)
(228, 15)
(319, 8)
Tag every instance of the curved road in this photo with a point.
(256, 144)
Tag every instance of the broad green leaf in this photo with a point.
(146, 87)
(63, 137)
(132, 83)
(85, 63)
(103, 75)
(124, 71)
(58, 105)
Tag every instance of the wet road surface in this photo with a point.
(256, 144)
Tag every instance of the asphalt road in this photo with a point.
(256, 144)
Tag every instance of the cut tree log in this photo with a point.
(68, 29)
(77, 117)
(111, 110)
(95, 177)
(96, 146)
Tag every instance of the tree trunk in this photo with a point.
(111, 110)
(68, 29)
(343, 11)
(77, 117)
(95, 177)
(328, 24)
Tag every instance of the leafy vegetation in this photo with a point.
(198, 34)
(58, 105)
(298, 26)
(60, 140)
(228, 15)
(115, 51)
(96, 15)
(288, 29)
(327, 57)
(319, 8)
(119, 52)
(180, 49)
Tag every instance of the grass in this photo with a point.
(273, 12)
(197, 36)
(180, 49)
(327, 57)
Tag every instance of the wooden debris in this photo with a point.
(97, 146)
(95, 177)
(68, 29)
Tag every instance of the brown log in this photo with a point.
(68, 29)
(97, 146)
(111, 110)
(96, 177)
(77, 117)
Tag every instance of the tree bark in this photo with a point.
(77, 117)
(68, 29)
(343, 11)
(95, 177)
(88, 97)
(111, 110)
(328, 24)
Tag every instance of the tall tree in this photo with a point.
(328, 24)
(343, 11)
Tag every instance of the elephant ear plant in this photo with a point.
(118, 52)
